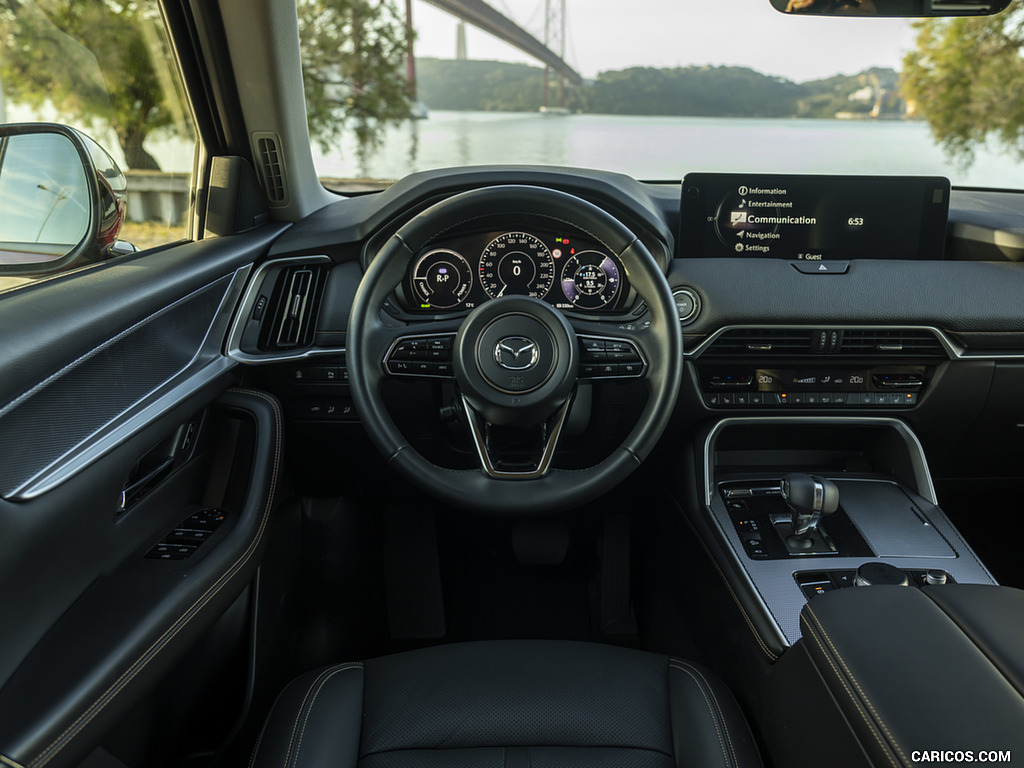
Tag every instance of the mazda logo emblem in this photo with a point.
(516, 353)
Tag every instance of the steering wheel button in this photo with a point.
(630, 369)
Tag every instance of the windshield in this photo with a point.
(654, 88)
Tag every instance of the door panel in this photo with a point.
(103, 373)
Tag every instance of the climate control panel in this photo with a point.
(838, 387)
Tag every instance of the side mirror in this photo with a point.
(62, 199)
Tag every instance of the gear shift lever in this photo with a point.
(809, 498)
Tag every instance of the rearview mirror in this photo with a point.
(890, 7)
(62, 199)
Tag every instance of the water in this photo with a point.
(666, 148)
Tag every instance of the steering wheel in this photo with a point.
(515, 360)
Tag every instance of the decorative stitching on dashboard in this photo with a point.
(813, 634)
(330, 673)
(707, 701)
(714, 698)
(772, 656)
(129, 674)
(853, 679)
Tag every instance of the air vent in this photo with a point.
(296, 304)
(272, 166)
(890, 342)
(762, 342)
(771, 343)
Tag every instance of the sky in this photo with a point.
(615, 34)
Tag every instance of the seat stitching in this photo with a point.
(871, 726)
(721, 714)
(256, 749)
(707, 701)
(772, 656)
(301, 709)
(853, 679)
(332, 672)
(376, 752)
(140, 663)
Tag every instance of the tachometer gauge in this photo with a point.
(590, 280)
(441, 279)
(517, 264)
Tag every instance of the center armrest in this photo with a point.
(939, 669)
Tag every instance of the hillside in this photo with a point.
(681, 91)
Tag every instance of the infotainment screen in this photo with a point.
(814, 218)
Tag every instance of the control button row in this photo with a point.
(602, 370)
(606, 350)
(750, 535)
(318, 374)
(602, 358)
(419, 368)
(424, 348)
(429, 356)
(812, 399)
(818, 583)
(330, 409)
(180, 543)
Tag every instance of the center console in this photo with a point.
(802, 507)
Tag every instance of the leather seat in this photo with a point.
(508, 704)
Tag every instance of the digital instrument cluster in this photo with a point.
(566, 271)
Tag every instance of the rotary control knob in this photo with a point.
(935, 577)
(871, 574)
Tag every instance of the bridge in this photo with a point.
(481, 15)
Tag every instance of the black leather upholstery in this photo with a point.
(923, 670)
(508, 704)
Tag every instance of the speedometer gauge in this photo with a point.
(517, 263)
(442, 279)
(590, 280)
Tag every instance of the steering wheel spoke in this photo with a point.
(610, 357)
(421, 350)
(516, 452)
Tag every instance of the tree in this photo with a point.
(353, 53)
(92, 61)
(966, 76)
